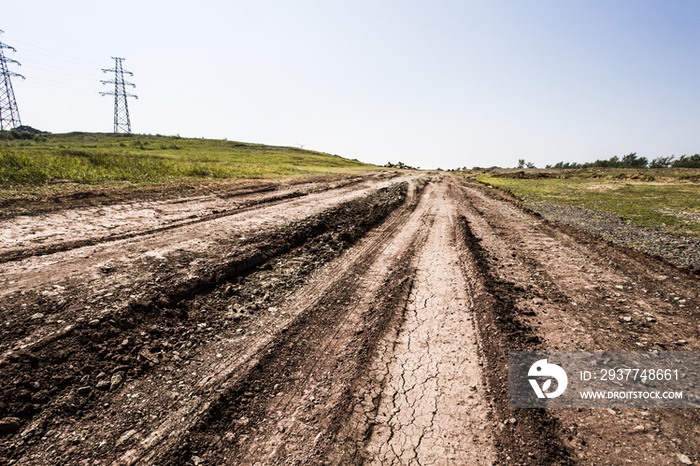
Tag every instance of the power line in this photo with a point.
(61, 37)
(121, 109)
(79, 111)
(55, 56)
(65, 71)
(54, 84)
(9, 114)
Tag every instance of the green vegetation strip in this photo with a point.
(118, 159)
(671, 205)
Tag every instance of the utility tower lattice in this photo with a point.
(122, 124)
(9, 114)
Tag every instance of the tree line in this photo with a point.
(633, 161)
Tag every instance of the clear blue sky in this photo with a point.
(432, 83)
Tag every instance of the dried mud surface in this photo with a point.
(340, 320)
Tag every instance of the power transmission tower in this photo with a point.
(122, 124)
(9, 114)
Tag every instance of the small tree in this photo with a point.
(632, 161)
(687, 162)
(521, 163)
(662, 162)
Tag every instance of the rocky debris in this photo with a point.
(399, 165)
(148, 356)
(102, 385)
(115, 381)
(40, 397)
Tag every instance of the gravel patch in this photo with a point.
(685, 215)
(682, 251)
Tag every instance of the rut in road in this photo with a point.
(432, 409)
(175, 357)
(55, 227)
(111, 266)
(296, 398)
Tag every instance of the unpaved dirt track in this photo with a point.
(433, 407)
(352, 320)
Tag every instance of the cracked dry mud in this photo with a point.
(433, 408)
(338, 320)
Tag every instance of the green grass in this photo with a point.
(663, 203)
(126, 160)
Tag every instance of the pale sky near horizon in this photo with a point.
(432, 84)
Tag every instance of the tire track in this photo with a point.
(21, 254)
(295, 397)
(434, 407)
(351, 220)
(219, 207)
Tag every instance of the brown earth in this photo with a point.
(339, 320)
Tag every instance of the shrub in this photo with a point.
(687, 162)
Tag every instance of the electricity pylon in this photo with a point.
(9, 114)
(122, 124)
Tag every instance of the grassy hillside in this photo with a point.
(119, 159)
(666, 199)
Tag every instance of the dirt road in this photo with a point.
(355, 320)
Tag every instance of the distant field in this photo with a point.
(62, 161)
(666, 199)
